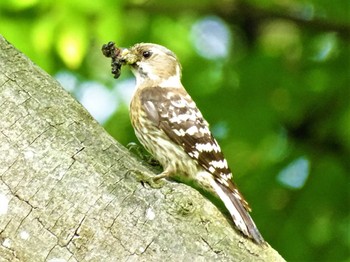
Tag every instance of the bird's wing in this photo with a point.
(174, 111)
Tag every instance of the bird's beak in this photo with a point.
(127, 57)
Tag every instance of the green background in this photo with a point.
(271, 77)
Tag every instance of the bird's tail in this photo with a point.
(239, 213)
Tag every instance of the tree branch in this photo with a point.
(69, 191)
(239, 11)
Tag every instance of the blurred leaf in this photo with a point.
(72, 44)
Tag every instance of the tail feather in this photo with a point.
(238, 212)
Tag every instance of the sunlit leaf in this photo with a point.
(71, 45)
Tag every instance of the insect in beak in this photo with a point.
(120, 56)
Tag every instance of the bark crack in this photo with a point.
(38, 136)
(212, 247)
(148, 245)
(76, 232)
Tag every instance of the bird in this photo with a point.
(170, 126)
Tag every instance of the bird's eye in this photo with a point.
(147, 54)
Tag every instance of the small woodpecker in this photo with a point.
(169, 125)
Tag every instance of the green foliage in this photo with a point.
(280, 95)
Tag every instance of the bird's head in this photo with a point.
(152, 62)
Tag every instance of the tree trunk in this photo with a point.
(70, 192)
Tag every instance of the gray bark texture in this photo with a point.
(70, 192)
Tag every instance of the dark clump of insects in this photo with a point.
(110, 50)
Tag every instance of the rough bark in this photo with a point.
(69, 191)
